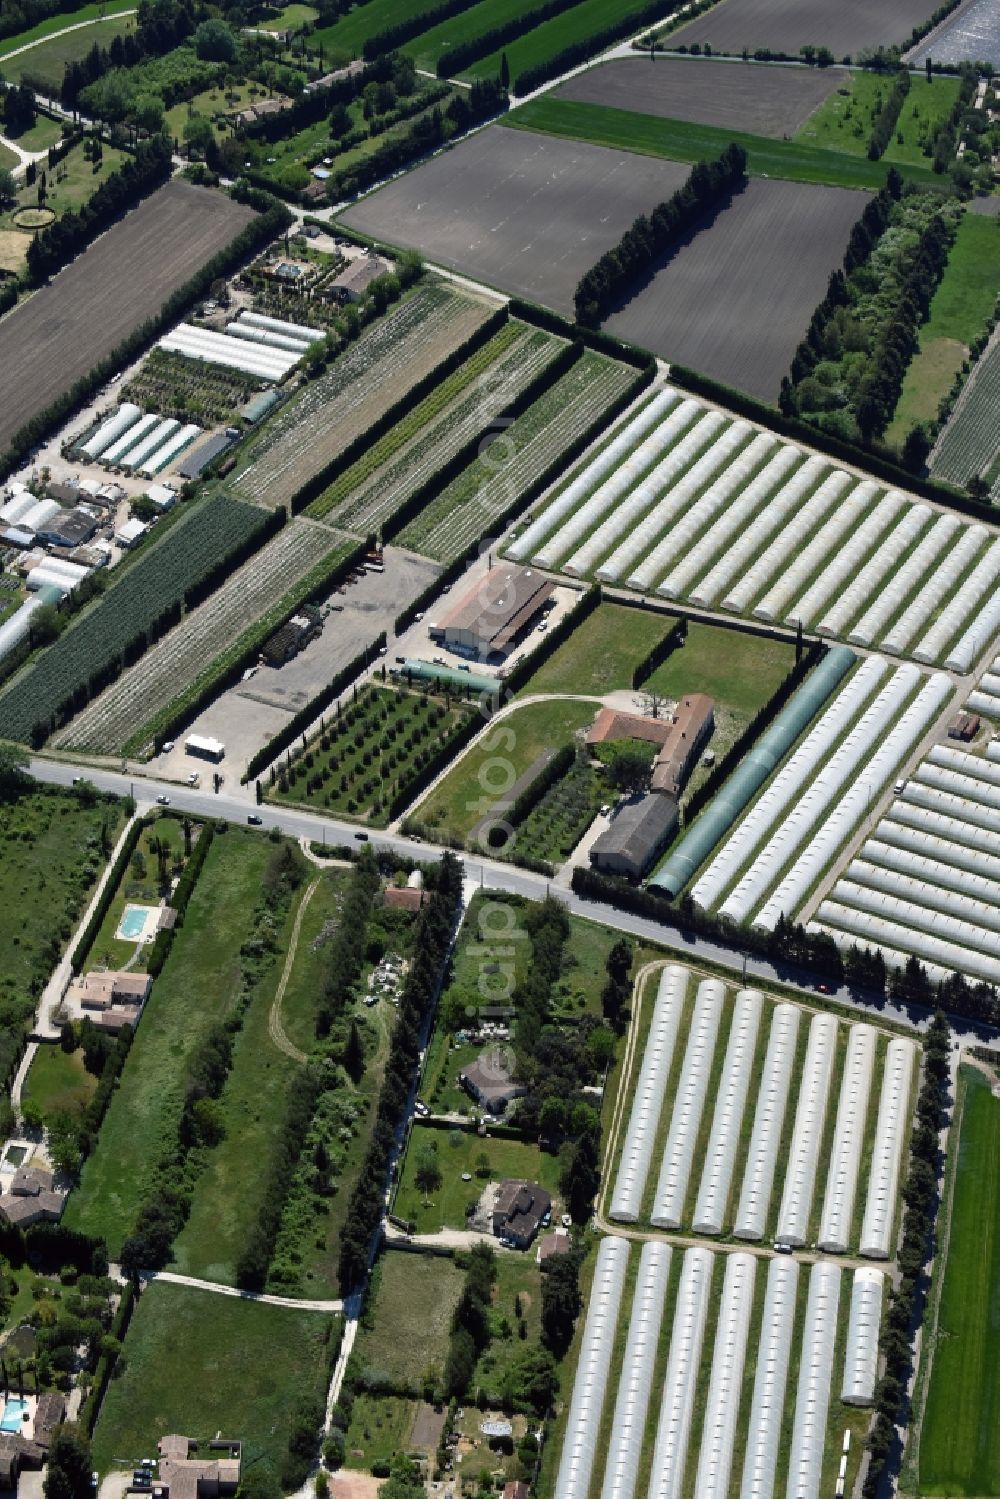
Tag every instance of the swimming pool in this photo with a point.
(138, 924)
(13, 1414)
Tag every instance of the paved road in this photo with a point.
(237, 803)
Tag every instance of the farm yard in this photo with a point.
(59, 334)
(687, 503)
(518, 461)
(198, 651)
(775, 24)
(762, 100)
(387, 361)
(137, 605)
(516, 210)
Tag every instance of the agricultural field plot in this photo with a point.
(363, 762)
(584, 20)
(141, 598)
(686, 503)
(207, 640)
(386, 362)
(381, 483)
(515, 209)
(755, 1120)
(969, 445)
(781, 26)
(201, 1363)
(67, 327)
(755, 1359)
(973, 35)
(43, 63)
(958, 1437)
(473, 505)
(771, 101)
(927, 881)
(846, 119)
(554, 827)
(731, 301)
(189, 390)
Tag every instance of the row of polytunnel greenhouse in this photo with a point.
(712, 1101)
(146, 445)
(686, 502)
(702, 1307)
(926, 883)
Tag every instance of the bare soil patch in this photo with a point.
(428, 1425)
(68, 326)
(788, 25)
(13, 249)
(772, 101)
(346, 1484)
(736, 299)
(525, 212)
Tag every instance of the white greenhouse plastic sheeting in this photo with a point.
(119, 449)
(849, 558)
(111, 429)
(610, 460)
(162, 456)
(807, 1133)
(959, 783)
(964, 763)
(944, 826)
(718, 1436)
(846, 519)
(935, 589)
(965, 934)
(298, 331)
(849, 924)
(772, 1358)
(876, 573)
(861, 1361)
(637, 1152)
(891, 1130)
(730, 1103)
(897, 589)
(932, 646)
(985, 703)
(955, 893)
(894, 957)
(946, 804)
(635, 1388)
(848, 1139)
(678, 1153)
(769, 1118)
(634, 476)
(17, 507)
(154, 439)
(680, 1385)
(927, 854)
(234, 353)
(590, 1386)
(993, 750)
(266, 339)
(17, 627)
(41, 512)
(812, 1401)
(802, 525)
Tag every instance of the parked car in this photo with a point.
(163, 801)
(361, 837)
(420, 1109)
(255, 821)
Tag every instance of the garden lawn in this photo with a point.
(491, 765)
(196, 988)
(681, 140)
(960, 1431)
(845, 120)
(202, 1363)
(290, 17)
(139, 885)
(737, 670)
(458, 1151)
(410, 1316)
(602, 653)
(517, 1275)
(45, 132)
(380, 1428)
(47, 62)
(959, 313)
(86, 13)
(8, 161)
(58, 1082)
(70, 184)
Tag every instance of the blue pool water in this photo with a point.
(131, 928)
(13, 1411)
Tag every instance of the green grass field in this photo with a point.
(58, 1082)
(196, 988)
(380, 1427)
(844, 121)
(458, 1151)
(7, 159)
(737, 670)
(348, 35)
(290, 17)
(200, 1363)
(45, 132)
(680, 140)
(47, 61)
(959, 312)
(70, 184)
(602, 652)
(538, 45)
(960, 1431)
(410, 1317)
(85, 13)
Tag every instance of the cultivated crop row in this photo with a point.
(470, 506)
(135, 608)
(362, 383)
(758, 1417)
(484, 387)
(688, 504)
(171, 667)
(752, 1131)
(969, 445)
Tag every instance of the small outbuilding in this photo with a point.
(640, 831)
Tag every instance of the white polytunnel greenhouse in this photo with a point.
(17, 507)
(977, 636)
(891, 1130)
(934, 590)
(234, 353)
(993, 750)
(848, 1140)
(41, 512)
(932, 645)
(110, 430)
(298, 331)
(647, 1104)
(861, 1361)
(939, 954)
(155, 438)
(836, 572)
(812, 1400)
(985, 703)
(18, 627)
(590, 1386)
(945, 826)
(611, 460)
(730, 1103)
(964, 763)
(973, 788)
(956, 893)
(833, 535)
(929, 856)
(158, 460)
(963, 933)
(772, 1359)
(673, 1430)
(128, 440)
(796, 532)
(876, 574)
(267, 339)
(678, 1153)
(718, 1436)
(768, 1122)
(807, 1133)
(947, 804)
(635, 1389)
(897, 589)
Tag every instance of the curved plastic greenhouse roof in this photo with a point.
(635, 1389)
(590, 1386)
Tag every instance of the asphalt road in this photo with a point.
(238, 804)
